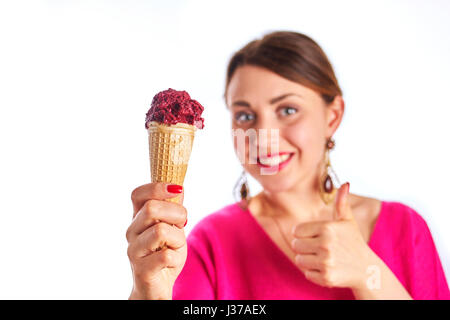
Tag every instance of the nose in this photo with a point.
(267, 130)
(267, 141)
(260, 140)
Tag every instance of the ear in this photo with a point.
(334, 114)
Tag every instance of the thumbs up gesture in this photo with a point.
(333, 253)
(343, 212)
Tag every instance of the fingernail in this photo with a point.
(174, 188)
(185, 223)
(293, 229)
(293, 243)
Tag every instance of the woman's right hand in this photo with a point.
(156, 224)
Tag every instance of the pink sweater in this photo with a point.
(230, 256)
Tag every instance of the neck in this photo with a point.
(300, 203)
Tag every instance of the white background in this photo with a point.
(77, 77)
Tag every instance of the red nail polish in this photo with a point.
(174, 188)
(185, 223)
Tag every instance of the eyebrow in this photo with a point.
(243, 103)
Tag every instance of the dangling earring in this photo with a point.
(326, 185)
(241, 191)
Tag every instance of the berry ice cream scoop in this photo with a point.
(171, 107)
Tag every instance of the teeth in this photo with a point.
(273, 161)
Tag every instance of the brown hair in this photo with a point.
(293, 56)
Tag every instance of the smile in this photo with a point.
(279, 160)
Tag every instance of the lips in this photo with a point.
(279, 160)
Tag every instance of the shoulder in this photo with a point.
(392, 217)
(217, 233)
(394, 211)
(220, 217)
(364, 207)
(218, 222)
(407, 221)
(401, 221)
(398, 212)
(366, 212)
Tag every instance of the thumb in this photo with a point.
(342, 206)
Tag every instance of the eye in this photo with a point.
(286, 111)
(242, 117)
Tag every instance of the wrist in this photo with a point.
(140, 295)
(136, 296)
(378, 281)
(370, 271)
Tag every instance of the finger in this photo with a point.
(155, 238)
(314, 276)
(305, 245)
(166, 258)
(308, 229)
(181, 198)
(154, 190)
(308, 261)
(342, 208)
(154, 211)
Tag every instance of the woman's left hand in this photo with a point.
(333, 253)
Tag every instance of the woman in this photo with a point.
(300, 238)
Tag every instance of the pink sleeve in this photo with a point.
(196, 280)
(428, 278)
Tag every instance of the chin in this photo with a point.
(273, 183)
(276, 186)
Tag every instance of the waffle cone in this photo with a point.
(170, 148)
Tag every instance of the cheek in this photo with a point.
(307, 138)
(241, 147)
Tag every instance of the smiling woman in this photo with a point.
(302, 237)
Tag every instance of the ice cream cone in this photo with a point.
(170, 148)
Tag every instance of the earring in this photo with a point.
(241, 191)
(326, 186)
